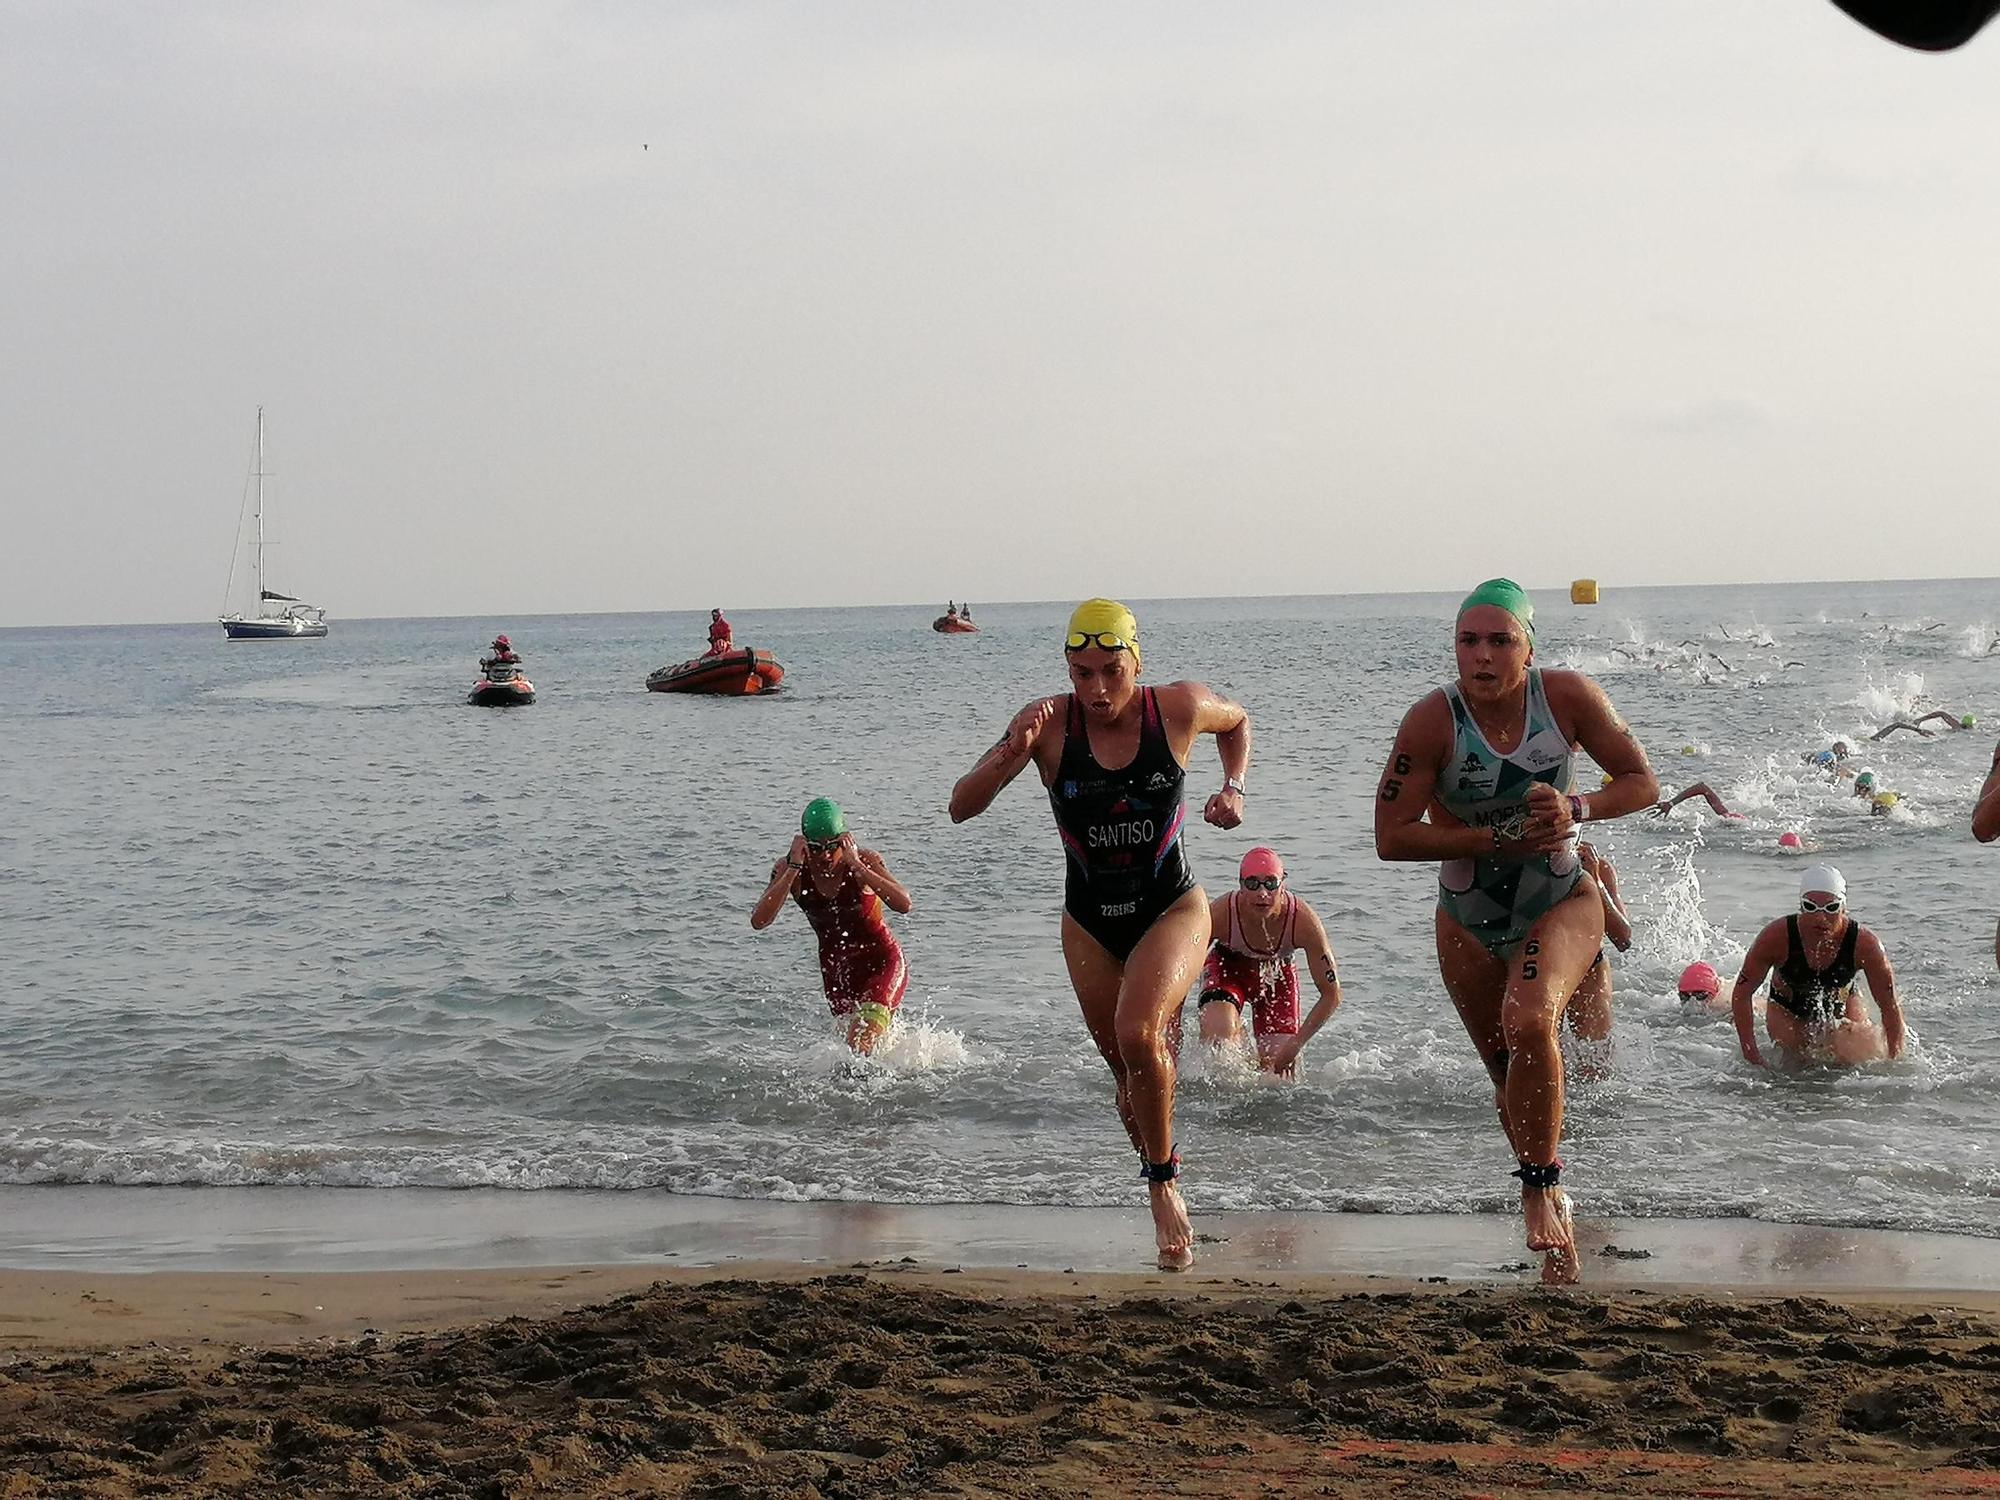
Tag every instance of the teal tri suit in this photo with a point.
(1498, 900)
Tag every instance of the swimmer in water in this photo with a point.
(1881, 801)
(1829, 760)
(1256, 929)
(1986, 823)
(1701, 985)
(1916, 725)
(843, 889)
(1113, 756)
(1589, 1010)
(1812, 959)
(1702, 790)
(1479, 779)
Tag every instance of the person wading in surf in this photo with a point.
(1113, 756)
(1812, 959)
(1479, 779)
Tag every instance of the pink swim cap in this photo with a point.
(1261, 861)
(1700, 979)
(1789, 840)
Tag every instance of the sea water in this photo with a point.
(294, 913)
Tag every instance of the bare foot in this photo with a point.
(1171, 1230)
(1561, 1268)
(1546, 1212)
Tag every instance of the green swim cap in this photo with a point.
(1967, 722)
(823, 820)
(1505, 594)
(1865, 779)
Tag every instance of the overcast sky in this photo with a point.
(653, 306)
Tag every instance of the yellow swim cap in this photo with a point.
(1883, 801)
(1103, 622)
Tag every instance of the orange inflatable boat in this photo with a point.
(730, 674)
(954, 625)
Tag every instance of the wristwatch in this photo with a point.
(1231, 784)
(1579, 809)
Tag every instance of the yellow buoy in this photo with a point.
(1583, 591)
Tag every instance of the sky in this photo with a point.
(650, 306)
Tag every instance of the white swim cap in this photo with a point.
(1823, 878)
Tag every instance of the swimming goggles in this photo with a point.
(821, 846)
(1080, 640)
(1829, 907)
(1690, 996)
(1262, 882)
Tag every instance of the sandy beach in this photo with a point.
(897, 1378)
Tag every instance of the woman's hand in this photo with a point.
(1225, 808)
(1028, 726)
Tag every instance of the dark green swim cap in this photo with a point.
(1503, 593)
(822, 820)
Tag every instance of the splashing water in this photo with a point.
(1895, 697)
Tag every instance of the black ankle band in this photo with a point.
(1161, 1171)
(1539, 1177)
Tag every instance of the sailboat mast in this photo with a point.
(260, 510)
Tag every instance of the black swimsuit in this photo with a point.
(1122, 831)
(1817, 997)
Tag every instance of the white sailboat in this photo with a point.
(295, 617)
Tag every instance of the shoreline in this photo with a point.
(296, 1230)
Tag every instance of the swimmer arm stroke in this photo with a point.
(1874, 962)
(1008, 757)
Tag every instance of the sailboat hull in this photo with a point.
(271, 630)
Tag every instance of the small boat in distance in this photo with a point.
(296, 618)
(732, 674)
(502, 683)
(954, 624)
(503, 686)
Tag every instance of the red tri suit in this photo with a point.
(860, 961)
(1267, 982)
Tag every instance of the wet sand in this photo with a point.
(433, 1355)
(335, 1229)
